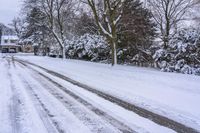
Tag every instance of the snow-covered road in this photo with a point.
(33, 100)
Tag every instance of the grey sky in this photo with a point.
(8, 10)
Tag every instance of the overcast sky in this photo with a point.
(9, 9)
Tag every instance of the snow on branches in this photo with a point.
(88, 47)
(183, 53)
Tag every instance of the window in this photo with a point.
(13, 41)
(5, 41)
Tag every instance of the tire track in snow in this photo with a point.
(15, 103)
(78, 112)
(50, 125)
(159, 119)
(94, 124)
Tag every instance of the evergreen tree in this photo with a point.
(37, 32)
(85, 24)
(35, 24)
(137, 32)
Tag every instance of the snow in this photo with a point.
(89, 47)
(9, 115)
(173, 95)
(19, 112)
(139, 124)
(56, 109)
(4, 100)
(30, 103)
(182, 54)
(10, 37)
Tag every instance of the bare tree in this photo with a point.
(57, 13)
(18, 26)
(196, 15)
(110, 14)
(168, 14)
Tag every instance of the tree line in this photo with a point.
(121, 31)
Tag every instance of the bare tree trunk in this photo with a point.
(111, 16)
(114, 53)
(63, 53)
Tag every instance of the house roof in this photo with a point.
(9, 45)
(9, 37)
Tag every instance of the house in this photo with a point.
(9, 44)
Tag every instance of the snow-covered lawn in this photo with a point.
(176, 96)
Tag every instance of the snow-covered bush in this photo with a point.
(88, 47)
(136, 56)
(182, 54)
